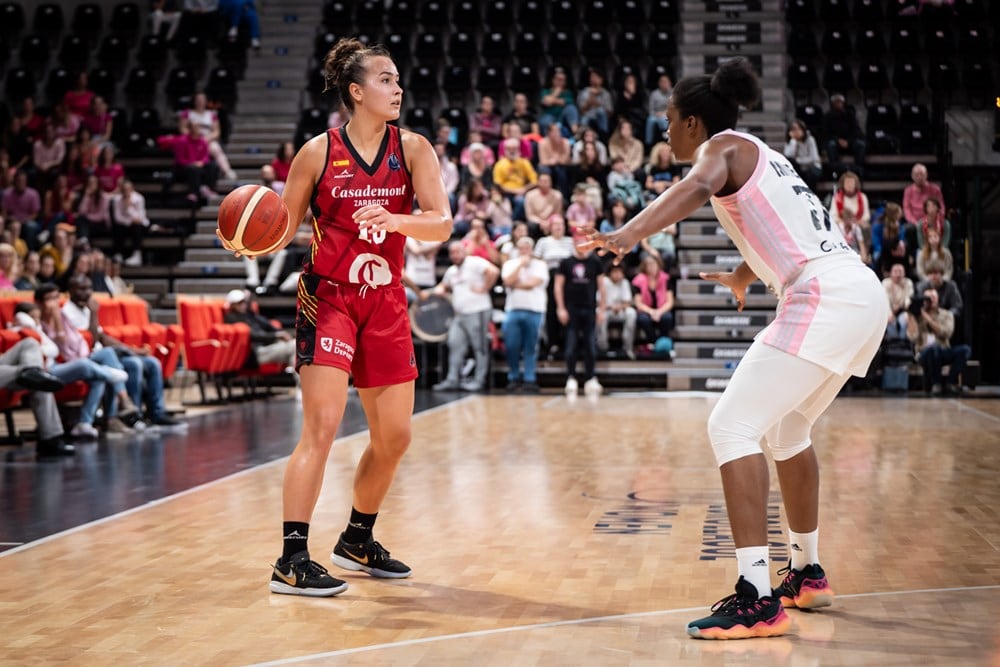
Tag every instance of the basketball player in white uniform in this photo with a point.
(830, 321)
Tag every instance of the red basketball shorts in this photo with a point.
(364, 333)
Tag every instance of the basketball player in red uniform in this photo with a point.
(359, 182)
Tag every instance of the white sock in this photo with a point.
(754, 565)
(804, 548)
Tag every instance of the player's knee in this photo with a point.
(320, 430)
(393, 441)
(782, 451)
(730, 439)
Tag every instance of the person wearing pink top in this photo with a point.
(919, 191)
(109, 171)
(193, 164)
(830, 321)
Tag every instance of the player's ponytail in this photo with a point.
(345, 64)
(716, 99)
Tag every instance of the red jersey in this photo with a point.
(340, 251)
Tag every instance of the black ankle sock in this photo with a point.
(359, 528)
(295, 539)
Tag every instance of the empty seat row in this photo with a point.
(940, 40)
(907, 76)
(869, 11)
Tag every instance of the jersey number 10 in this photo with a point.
(377, 238)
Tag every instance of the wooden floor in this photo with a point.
(542, 532)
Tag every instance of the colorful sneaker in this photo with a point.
(301, 576)
(742, 615)
(370, 557)
(805, 589)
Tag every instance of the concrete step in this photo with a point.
(214, 286)
(713, 333)
(715, 352)
(207, 255)
(725, 319)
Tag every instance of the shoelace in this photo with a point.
(314, 569)
(379, 552)
(734, 603)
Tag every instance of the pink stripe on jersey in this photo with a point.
(767, 235)
(798, 310)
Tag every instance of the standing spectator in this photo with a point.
(268, 343)
(487, 122)
(623, 144)
(514, 175)
(78, 99)
(542, 203)
(555, 154)
(899, 290)
(552, 249)
(557, 105)
(48, 152)
(659, 99)
(128, 211)
(843, 134)
(654, 302)
(661, 171)
(802, 151)
(524, 118)
(93, 212)
(919, 191)
(934, 251)
(630, 103)
(193, 164)
(22, 203)
(618, 292)
(931, 332)
(595, 104)
(469, 279)
(236, 12)
(282, 161)
(580, 304)
(933, 220)
(211, 131)
(109, 171)
(525, 277)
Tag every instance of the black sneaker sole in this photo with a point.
(355, 566)
(285, 589)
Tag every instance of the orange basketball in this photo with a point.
(254, 219)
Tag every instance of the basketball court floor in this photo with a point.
(541, 531)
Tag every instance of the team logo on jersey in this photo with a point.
(369, 269)
(346, 173)
(326, 343)
(393, 162)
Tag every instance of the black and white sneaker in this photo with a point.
(370, 557)
(301, 576)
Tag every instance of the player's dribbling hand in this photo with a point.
(376, 218)
(729, 280)
(227, 245)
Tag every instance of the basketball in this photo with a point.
(253, 218)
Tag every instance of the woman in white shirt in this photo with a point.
(801, 149)
(128, 210)
(526, 278)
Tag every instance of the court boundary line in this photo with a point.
(976, 410)
(555, 624)
(180, 494)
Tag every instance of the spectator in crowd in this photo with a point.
(581, 217)
(508, 244)
(238, 12)
(420, 263)
(522, 116)
(552, 249)
(623, 187)
(477, 167)
(949, 297)
(46, 268)
(654, 302)
(618, 215)
(23, 204)
(60, 247)
(6, 170)
(282, 161)
(64, 121)
(128, 212)
(630, 104)
(899, 290)
(802, 151)
(87, 149)
(268, 344)
(193, 164)
(109, 171)
(19, 147)
(889, 241)
(145, 375)
(10, 232)
(282, 275)
(165, 12)
(934, 251)
(474, 204)
(73, 167)
(93, 211)
(580, 305)
(525, 278)
(469, 280)
(31, 121)
(113, 280)
(843, 134)
(79, 97)
(207, 121)
(8, 267)
(589, 136)
(589, 166)
(659, 99)
(58, 206)
(933, 219)
(931, 332)
(919, 191)
(268, 180)
(849, 207)
(100, 369)
(596, 104)
(661, 171)
(487, 122)
(22, 366)
(514, 175)
(663, 246)
(623, 144)
(28, 278)
(99, 121)
(48, 152)
(555, 154)
(479, 243)
(620, 309)
(513, 131)
(541, 203)
(557, 105)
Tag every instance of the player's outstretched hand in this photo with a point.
(604, 243)
(729, 280)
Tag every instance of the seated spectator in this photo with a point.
(10, 232)
(238, 12)
(542, 203)
(58, 206)
(145, 375)
(339, 115)
(654, 302)
(23, 367)
(449, 174)
(508, 243)
(19, 147)
(477, 243)
(889, 241)
(128, 213)
(48, 153)
(659, 99)
(919, 191)
(99, 121)
(8, 267)
(589, 136)
(61, 246)
(282, 275)
(6, 169)
(623, 187)
(46, 268)
(581, 218)
(268, 344)
(513, 131)
(207, 121)
(933, 219)
(473, 204)
(448, 135)
(618, 308)
(420, 264)
(934, 251)
(850, 209)
(931, 332)
(555, 155)
(630, 105)
(523, 117)
(193, 164)
(268, 180)
(28, 275)
(74, 170)
(487, 122)
(589, 167)
(623, 144)
(165, 12)
(514, 175)
(842, 133)
(282, 162)
(661, 171)
(65, 122)
(618, 215)
(663, 246)
(78, 98)
(478, 166)
(899, 290)
(31, 121)
(113, 281)
(93, 211)
(596, 104)
(22, 203)
(109, 171)
(87, 149)
(949, 297)
(803, 152)
(525, 278)
(557, 106)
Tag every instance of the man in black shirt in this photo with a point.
(580, 300)
(843, 134)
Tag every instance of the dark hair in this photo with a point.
(716, 99)
(345, 64)
(25, 307)
(44, 290)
